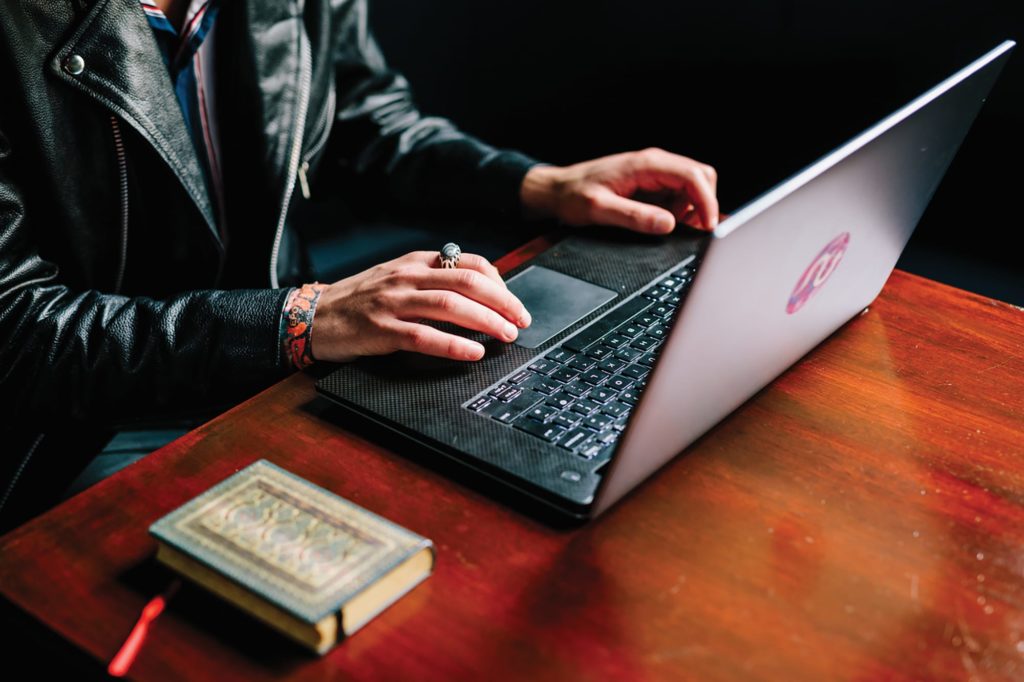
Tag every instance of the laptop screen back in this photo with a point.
(792, 266)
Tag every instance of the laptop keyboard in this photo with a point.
(579, 394)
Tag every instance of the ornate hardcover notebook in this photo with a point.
(302, 559)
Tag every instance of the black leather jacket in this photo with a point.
(118, 295)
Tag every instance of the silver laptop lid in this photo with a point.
(792, 266)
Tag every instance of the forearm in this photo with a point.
(424, 162)
(111, 358)
(462, 175)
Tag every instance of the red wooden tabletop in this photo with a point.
(860, 519)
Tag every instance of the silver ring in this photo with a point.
(449, 255)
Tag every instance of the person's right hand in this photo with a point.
(380, 310)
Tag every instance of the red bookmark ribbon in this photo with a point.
(126, 655)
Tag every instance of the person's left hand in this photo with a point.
(647, 191)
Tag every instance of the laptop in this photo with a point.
(639, 344)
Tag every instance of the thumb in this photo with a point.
(611, 209)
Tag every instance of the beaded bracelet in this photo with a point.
(297, 324)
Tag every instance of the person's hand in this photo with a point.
(605, 191)
(380, 310)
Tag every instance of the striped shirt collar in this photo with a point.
(189, 71)
(178, 47)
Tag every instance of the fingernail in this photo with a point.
(510, 332)
(474, 351)
(525, 320)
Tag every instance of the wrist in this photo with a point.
(297, 325)
(539, 191)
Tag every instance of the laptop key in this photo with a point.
(662, 310)
(665, 292)
(599, 351)
(644, 343)
(627, 354)
(647, 359)
(525, 401)
(498, 389)
(611, 365)
(560, 355)
(605, 324)
(506, 412)
(548, 432)
(658, 331)
(614, 341)
(543, 366)
(567, 420)
(542, 413)
(597, 421)
(644, 321)
(658, 293)
(601, 395)
(615, 409)
(502, 412)
(561, 400)
(581, 363)
(541, 384)
(577, 388)
(575, 438)
(479, 404)
(508, 393)
(594, 377)
(635, 371)
(618, 383)
(630, 396)
(585, 406)
(630, 330)
(564, 375)
(520, 376)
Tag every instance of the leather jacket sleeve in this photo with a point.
(108, 358)
(425, 162)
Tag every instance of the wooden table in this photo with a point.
(860, 519)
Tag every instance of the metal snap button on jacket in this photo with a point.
(75, 64)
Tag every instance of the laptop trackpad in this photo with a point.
(555, 301)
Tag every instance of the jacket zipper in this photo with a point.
(122, 175)
(324, 125)
(305, 78)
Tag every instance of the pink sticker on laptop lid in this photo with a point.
(818, 272)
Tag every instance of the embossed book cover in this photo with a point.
(310, 563)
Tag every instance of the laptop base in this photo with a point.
(421, 397)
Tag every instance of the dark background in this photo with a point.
(757, 88)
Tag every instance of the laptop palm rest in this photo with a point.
(555, 302)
